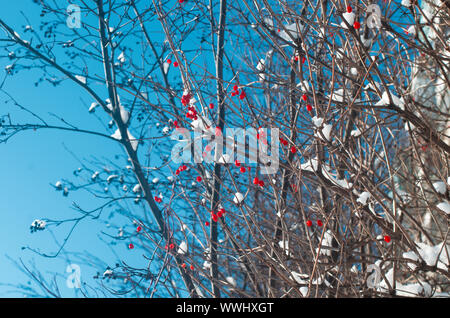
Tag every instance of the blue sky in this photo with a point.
(31, 161)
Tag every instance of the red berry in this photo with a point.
(293, 149)
(309, 107)
(387, 238)
(319, 223)
(130, 246)
(304, 97)
(235, 87)
(211, 106)
(237, 163)
(199, 179)
(242, 169)
(171, 246)
(169, 61)
(183, 265)
(138, 229)
(206, 223)
(261, 183)
(192, 267)
(303, 60)
(349, 9)
(219, 214)
(309, 223)
(175, 64)
(356, 25)
(214, 217)
(243, 94)
(158, 199)
(256, 181)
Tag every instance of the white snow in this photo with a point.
(363, 197)
(155, 180)
(406, 3)
(134, 142)
(440, 187)
(58, 185)
(384, 101)
(231, 281)
(121, 57)
(137, 188)
(93, 106)
(356, 132)
(349, 17)
(238, 197)
(95, 175)
(284, 244)
(81, 78)
(411, 30)
(317, 121)
(182, 249)
(444, 206)
(260, 65)
(111, 178)
(326, 244)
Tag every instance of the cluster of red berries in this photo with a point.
(184, 266)
(158, 199)
(259, 182)
(309, 223)
(169, 61)
(216, 216)
(303, 59)
(192, 113)
(235, 92)
(242, 169)
(181, 168)
(185, 99)
(284, 142)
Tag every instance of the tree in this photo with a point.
(356, 204)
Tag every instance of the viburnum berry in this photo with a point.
(192, 267)
(237, 163)
(183, 265)
(319, 223)
(296, 58)
(309, 107)
(214, 217)
(293, 149)
(255, 180)
(169, 61)
(304, 97)
(261, 183)
(243, 94)
(242, 169)
(171, 246)
(211, 105)
(138, 229)
(175, 64)
(349, 9)
(303, 60)
(356, 25)
(130, 246)
(387, 238)
(199, 179)
(221, 212)
(206, 223)
(309, 223)
(235, 87)
(158, 199)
